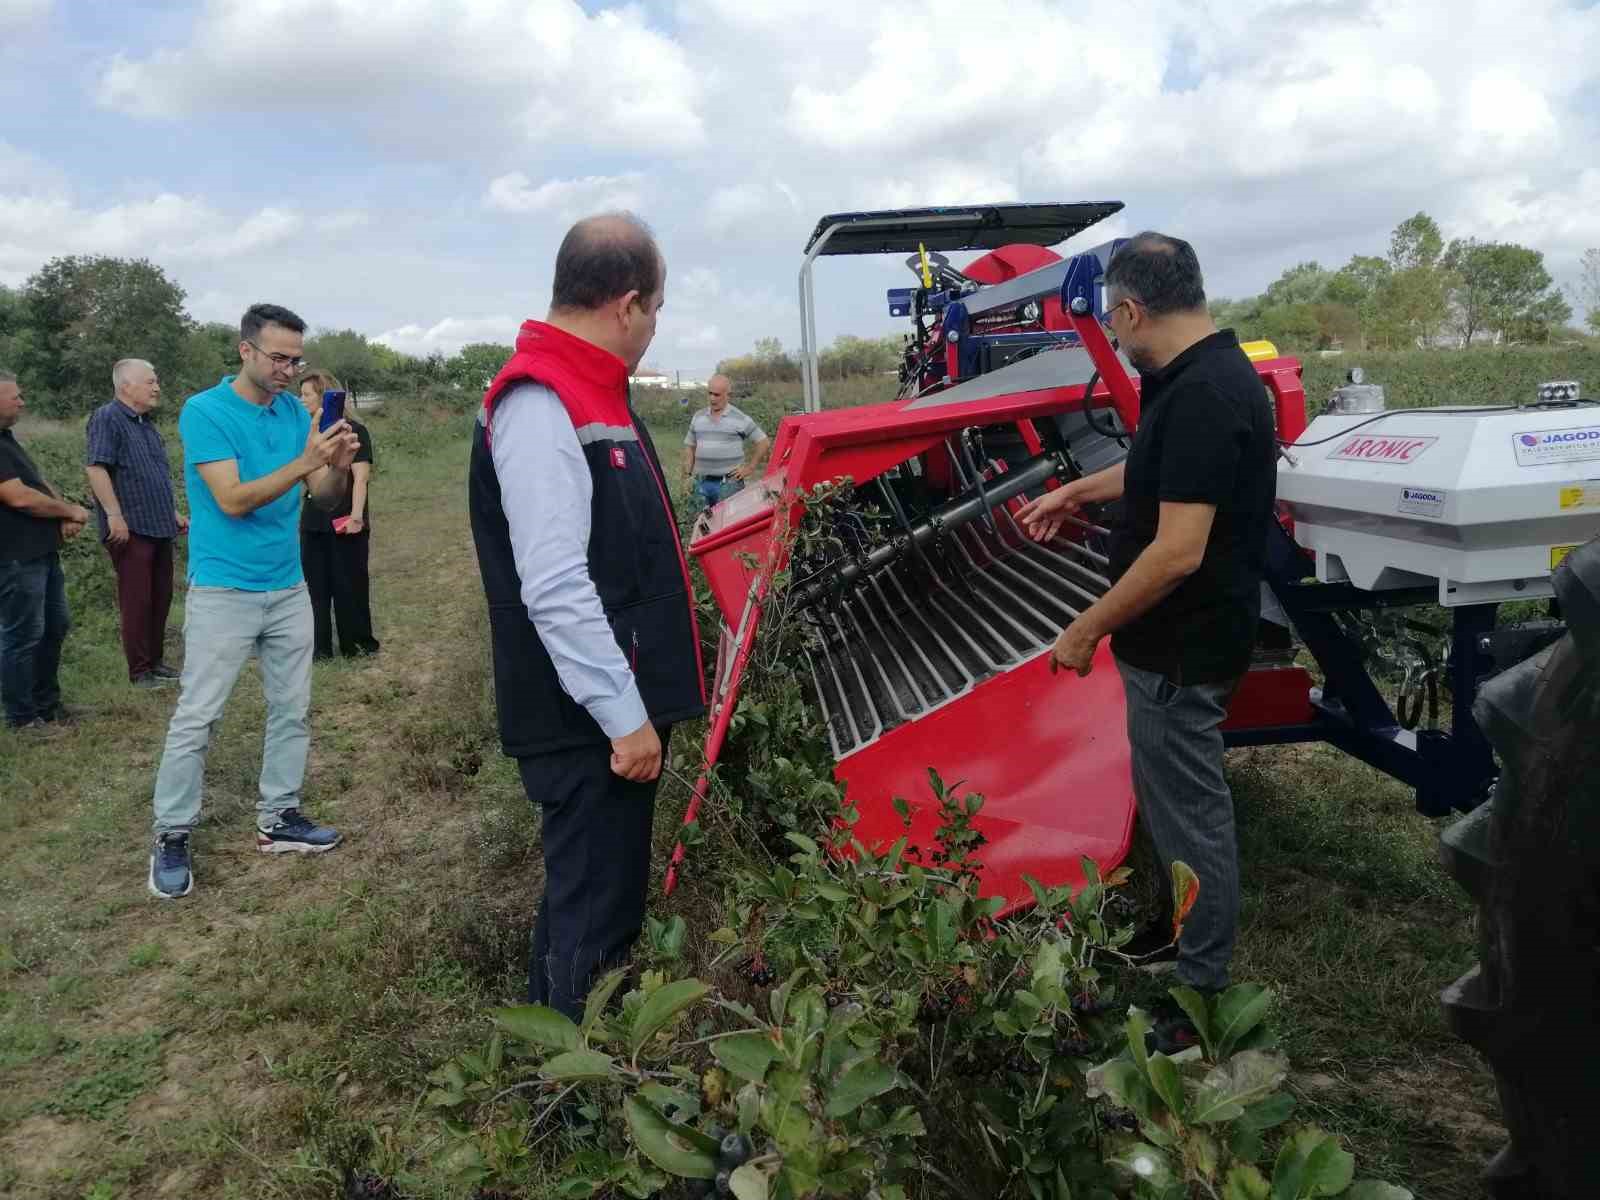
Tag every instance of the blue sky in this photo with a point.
(407, 168)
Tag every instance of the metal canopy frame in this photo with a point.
(972, 227)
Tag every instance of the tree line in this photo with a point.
(1422, 293)
(62, 330)
(848, 356)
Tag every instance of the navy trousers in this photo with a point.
(596, 835)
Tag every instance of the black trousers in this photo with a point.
(336, 576)
(596, 870)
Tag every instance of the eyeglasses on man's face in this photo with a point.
(279, 360)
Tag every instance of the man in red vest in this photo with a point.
(591, 614)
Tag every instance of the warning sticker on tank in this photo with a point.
(1390, 448)
(1545, 446)
(1424, 502)
(1581, 495)
(1557, 553)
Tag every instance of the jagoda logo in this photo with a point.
(1560, 436)
(1374, 448)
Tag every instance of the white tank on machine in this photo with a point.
(1483, 502)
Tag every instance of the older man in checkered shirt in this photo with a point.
(126, 461)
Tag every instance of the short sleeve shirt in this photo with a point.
(260, 551)
(719, 441)
(23, 537)
(316, 519)
(130, 447)
(1205, 436)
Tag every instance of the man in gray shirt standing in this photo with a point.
(713, 449)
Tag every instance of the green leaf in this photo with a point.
(941, 929)
(599, 996)
(676, 1149)
(1244, 1182)
(832, 892)
(1239, 1010)
(578, 1064)
(540, 1025)
(859, 1084)
(1329, 1169)
(1164, 1078)
(1372, 1189)
(748, 1103)
(805, 843)
(1235, 1084)
(1268, 1113)
(1047, 968)
(749, 1182)
(1125, 1084)
(746, 1055)
(1138, 1026)
(679, 1104)
(906, 1122)
(788, 1124)
(1194, 1004)
(664, 1003)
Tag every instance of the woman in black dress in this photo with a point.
(334, 543)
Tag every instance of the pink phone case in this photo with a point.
(339, 523)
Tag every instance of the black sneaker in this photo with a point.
(291, 833)
(150, 681)
(171, 877)
(1152, 948)
(162, 671)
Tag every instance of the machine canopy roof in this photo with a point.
(969, 227)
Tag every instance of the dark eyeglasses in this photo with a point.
(1105, 317)
(279, 360)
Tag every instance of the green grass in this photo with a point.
(278, 1026)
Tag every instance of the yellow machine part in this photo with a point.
(1256, 351)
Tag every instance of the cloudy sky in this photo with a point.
(407, 167)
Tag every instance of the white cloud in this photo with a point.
(455, 76)
(20, 16)
(449, 335)
(567, 199)
(168, 228)
(344, 221)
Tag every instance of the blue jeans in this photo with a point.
(222, 627)
(710, 491)
(33, 624)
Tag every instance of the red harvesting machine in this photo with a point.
(927, 633)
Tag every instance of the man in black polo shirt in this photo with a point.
(126, 461)
(33, 591)
(1198, 488)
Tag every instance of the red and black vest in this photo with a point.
(635, 558)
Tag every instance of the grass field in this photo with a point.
(276, 1027)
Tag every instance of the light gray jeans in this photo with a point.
(1175, 736)
(222, 627)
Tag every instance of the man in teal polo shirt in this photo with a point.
(247, 446)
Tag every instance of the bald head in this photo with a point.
(718, 389)
(605, 257)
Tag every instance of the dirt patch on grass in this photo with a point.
(40, 1147)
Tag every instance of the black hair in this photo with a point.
(1160, 272)
(603, 257)
(259, 316)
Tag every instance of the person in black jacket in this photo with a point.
(591, 615)
(335, 543)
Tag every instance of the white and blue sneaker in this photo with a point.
(292, 833)
(171, 876)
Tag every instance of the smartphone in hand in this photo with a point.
(332, 409)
